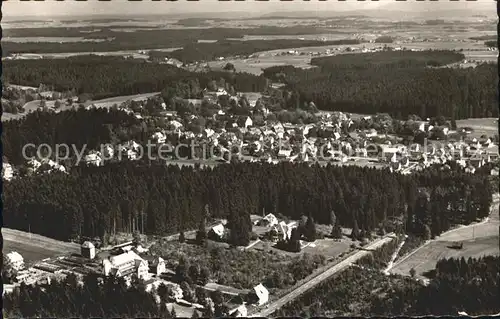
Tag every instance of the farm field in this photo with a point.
(265, 59)
(425, 259)
(35, 247)
(479, 240)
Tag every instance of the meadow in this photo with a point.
(35, 247)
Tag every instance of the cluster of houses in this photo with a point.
(125, 261)
(323, 140)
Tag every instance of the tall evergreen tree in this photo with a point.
(310, 230)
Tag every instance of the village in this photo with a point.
(302, 135)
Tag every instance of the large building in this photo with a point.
(126, 264)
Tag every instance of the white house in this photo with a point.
(269, 220)
(108, 151)
(470, 170)
(93, 159)
(15, 260)
(175, 125)
(126, 264)
(421, 126)
(209, 132)
(284, 153)
(262, 294)
(133, 145)
(157, 266)
(7, 171)
(285, 230)
(34, 164)
(217, 231)
(159, 137)
(221, 91)
(240, 311)
(371, 133)
(132, 155)
(55, 165)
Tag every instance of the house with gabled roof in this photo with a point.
(156, 264)
(269, 220)
(126, 264)
(217, 232)
(262, 294)
(240, 311)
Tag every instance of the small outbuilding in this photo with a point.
(88, 250)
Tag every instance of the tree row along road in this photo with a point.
(272, 307)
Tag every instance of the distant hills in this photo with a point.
(389, 9)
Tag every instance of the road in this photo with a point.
(272, 307)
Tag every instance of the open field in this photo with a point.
(479, 240)
(109, 102)
(488, 126)
(106, 103)
(425, 259)
(265, 59)
(35, 247)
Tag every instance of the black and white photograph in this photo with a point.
(207, 159)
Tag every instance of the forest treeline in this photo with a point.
(67, 299)
(80, 127)
(158, 199)
(470, 285)
(227, 48)
(102, 77)
(141, 39)
(458, 285)
(400, 83)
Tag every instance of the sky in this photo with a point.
(48, 8)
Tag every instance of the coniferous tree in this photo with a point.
(355, 233)
(201, 234)
(310, 230)
(336, 232)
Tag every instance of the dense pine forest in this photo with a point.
(225, 48)
(470, 285)
(140, 39)
(76, 127)
(126, 196)
(400, 83)
(65, 299)
(101, 77)
(458, 285)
